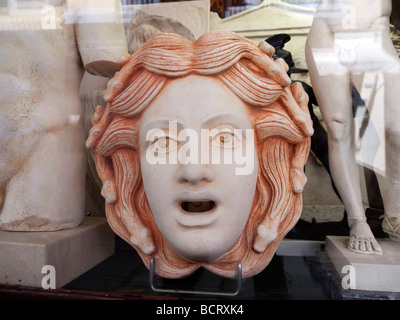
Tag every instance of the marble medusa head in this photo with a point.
(202, 214)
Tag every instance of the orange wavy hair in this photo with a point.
(278, 111)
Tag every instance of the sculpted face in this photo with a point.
(201, 150)
(199, 201)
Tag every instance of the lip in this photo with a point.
(196, 219)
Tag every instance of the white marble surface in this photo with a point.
(372, 272)
(71, 251)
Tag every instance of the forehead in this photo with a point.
(193, 100)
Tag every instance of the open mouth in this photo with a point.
(197, 206)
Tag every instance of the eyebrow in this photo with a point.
(161, 123)
(229, 118)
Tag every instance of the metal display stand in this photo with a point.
(214, 293)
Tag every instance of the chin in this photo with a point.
(201, 246)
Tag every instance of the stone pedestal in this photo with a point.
(71, 252)
(372, 272)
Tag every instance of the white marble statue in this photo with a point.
(349, 44)
(44, 47)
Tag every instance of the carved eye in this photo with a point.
(164, 144)
(225, 138)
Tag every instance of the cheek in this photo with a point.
(242, 172)
(239, 190)
(159, 181)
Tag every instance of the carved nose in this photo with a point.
(194, 173)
